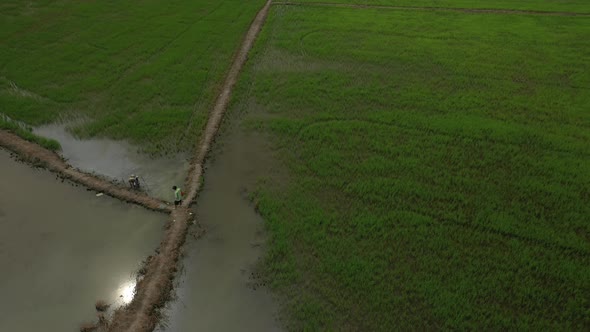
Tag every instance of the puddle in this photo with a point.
(62, 249)
(119, 160)
(216, 291)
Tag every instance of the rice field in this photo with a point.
(142, 71)
(432, 167)
(569, 6)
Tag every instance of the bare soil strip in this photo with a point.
(154, 288)
(196, 170)
(38, 155)
(448, 9)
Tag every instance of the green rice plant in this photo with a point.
(143, 71)
(439, 166)
(572, 6)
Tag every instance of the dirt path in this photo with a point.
(448, 9)
(36, 154)
(154, 289)
(196, 170)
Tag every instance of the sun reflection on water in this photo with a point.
(126, 291)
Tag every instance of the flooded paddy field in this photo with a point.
(118, 160)
(218, 290)
(62, 248)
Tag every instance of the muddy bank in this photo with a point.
(154, 290)
(37, 155)
(62, 248)
(118, 160)
(196, 170)
(218, 289)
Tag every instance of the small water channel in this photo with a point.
(119, 160)
(216, 292)
(62, 248)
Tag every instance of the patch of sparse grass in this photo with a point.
(27, 133)
(439, 166)
(144, 71)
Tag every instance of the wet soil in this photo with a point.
(216, 115)
(154, 290)
(118, 160)
(38, 155)
(62, 248)
(220, 279)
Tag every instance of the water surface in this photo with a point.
(62, 248)
(119, 160)
(216, 292)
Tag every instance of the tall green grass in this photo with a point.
(145, 71)
(438, 168)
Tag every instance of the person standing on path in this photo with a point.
(177, 196)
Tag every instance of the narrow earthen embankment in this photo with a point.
(154, 288)
(221, 103)
(152, 291)
(36, 154)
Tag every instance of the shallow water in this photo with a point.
(216, 291)
(62, 248)
(119, 160)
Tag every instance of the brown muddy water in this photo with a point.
(217, 290)
(62, 248)
(119, 160)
